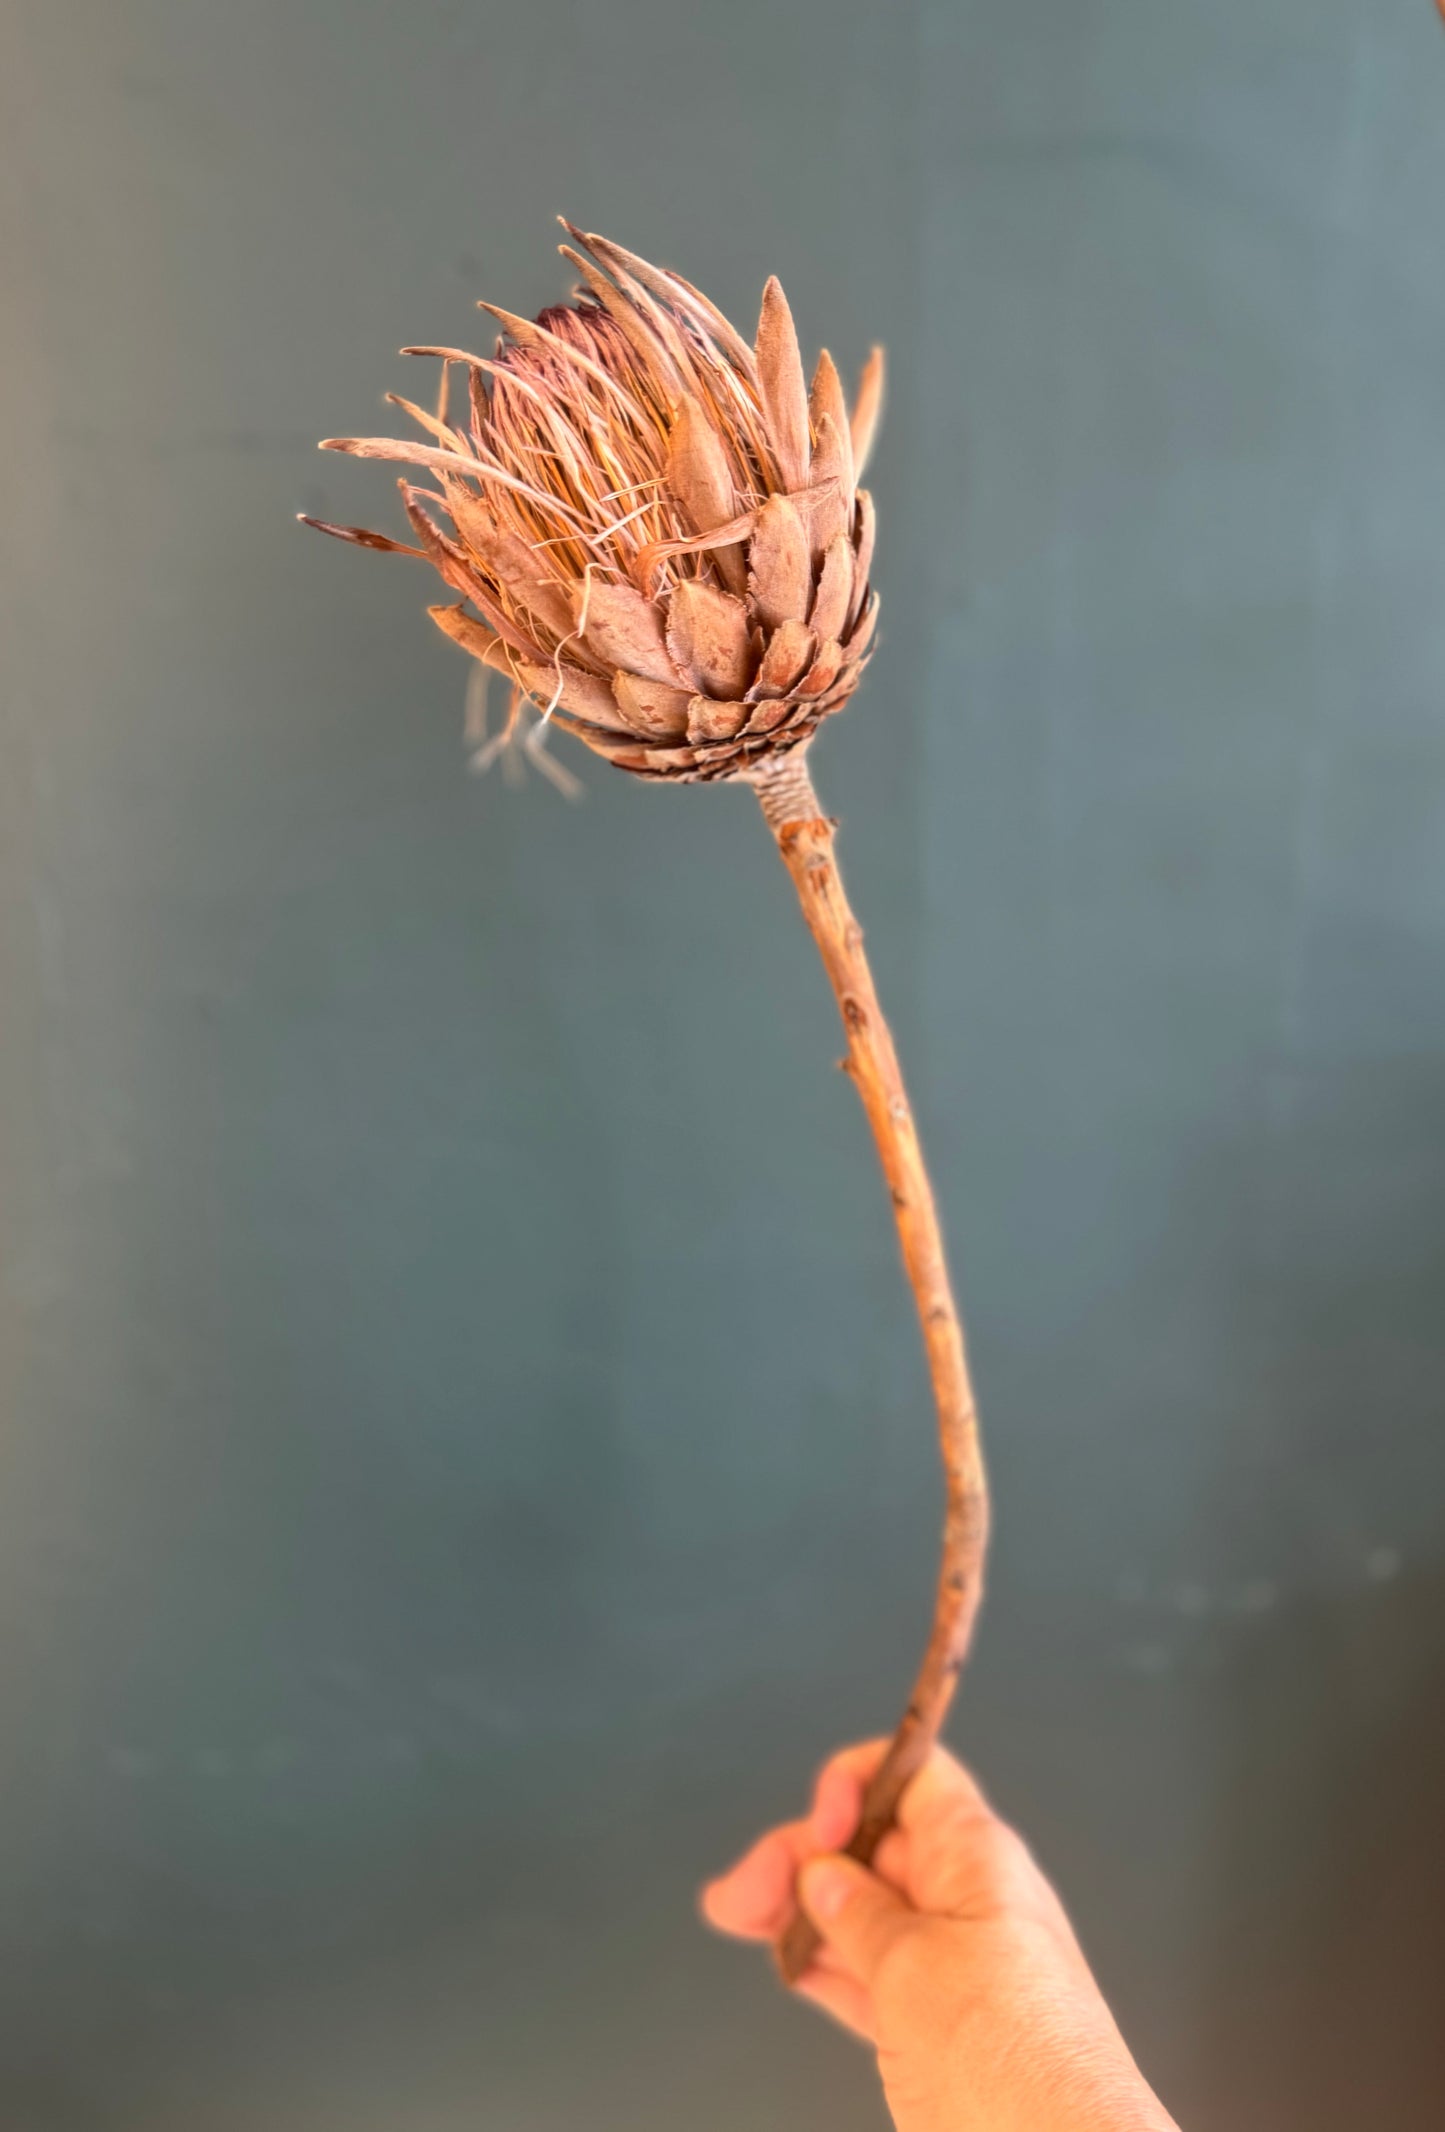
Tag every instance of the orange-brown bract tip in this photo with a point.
(337, 444)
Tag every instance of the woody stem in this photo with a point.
(805, 841)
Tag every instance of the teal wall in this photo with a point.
(464, 1455)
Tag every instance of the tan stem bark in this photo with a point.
(805, 840)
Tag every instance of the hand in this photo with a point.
(953, 1957)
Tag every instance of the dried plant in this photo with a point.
(657, 534)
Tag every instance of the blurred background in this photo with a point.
(464, 1453)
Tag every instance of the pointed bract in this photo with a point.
(651, 707)
(831, 481)
(780, 571)
(699, 476)
(623, 629)
(707, 634)
(834, 593)
(780, 376)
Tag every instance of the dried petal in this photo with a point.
(651, 707)
(866, 409)
(862, 553)
(832, 473)
(619, 748)
(360, 538)
(772, 712)
(449, 355)
(654, 314)
(825, 397)
(430, 455)
(457, 570)
(472, 635)
(657, 551)
(831, 601)
(707, 719)
(669, 288)
(833, 449)
(823, 671)
(528, 334)
(623, 629)
(697, 468)
(584, 695)
(786, 660)
(707, 634)
(863, 629)
(432, 424)
(650, 345)
(480, 368)
(780, 576)
(700, 478)
(527, 576)
(780, 377)
(478, 401)
(716, 758)
(443, 554)
(403, 449)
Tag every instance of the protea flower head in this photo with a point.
(655, 531)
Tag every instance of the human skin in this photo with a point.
(952, 1957)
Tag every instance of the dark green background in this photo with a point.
(465, 1455)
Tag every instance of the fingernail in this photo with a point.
(824, 1885)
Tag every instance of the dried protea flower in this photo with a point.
(656, 531)
(657, 534)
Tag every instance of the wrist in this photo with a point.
(1051, 2069)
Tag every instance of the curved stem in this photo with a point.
(805, 841)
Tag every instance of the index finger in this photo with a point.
(754, 1898)
(942, 1782)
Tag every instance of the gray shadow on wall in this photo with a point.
(1329, 1943)
(1323, 1982)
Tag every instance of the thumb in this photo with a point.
(854, 1913)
